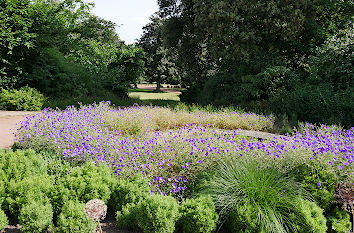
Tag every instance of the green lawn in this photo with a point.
(150, 95)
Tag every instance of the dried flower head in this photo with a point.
(96, 210)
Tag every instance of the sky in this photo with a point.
(130, 15)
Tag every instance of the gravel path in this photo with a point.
(8, 121)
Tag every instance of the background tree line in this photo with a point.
(60, 48)
(287, 57)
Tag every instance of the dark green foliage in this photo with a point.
(73, 219)
(243, 218)
(57, 76)
(84, 183)
(15, 40)
(62, 49)
(159, 60)
(310, 218)
(24, 99)
(157, 214)
(289, 58)
(339, 221)
(198, 215)
(3, 220)
(36, 216)
(128, 192)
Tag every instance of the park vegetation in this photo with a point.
(186, 167)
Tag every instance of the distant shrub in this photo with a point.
(24, 99)
(36, 216)
(158, 214)
(73, 219)
(339, 221)
(3, 220)
(198, 215)
(57, 75)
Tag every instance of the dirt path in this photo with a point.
(8, 121)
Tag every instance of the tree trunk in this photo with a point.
(158, 86)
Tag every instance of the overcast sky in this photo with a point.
(131, 15)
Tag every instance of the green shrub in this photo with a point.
(128, 192)
(2, 187)
(3, 220)
(36, 216)
(24, 99)
(85, 183)
(310, 176)
(158, 214)
(198, 215)
(73, 219)
(248, 186)
(339, 221)
(21, 193)
(243, 218)
(21, 163)
(126, 217)
(311, 218)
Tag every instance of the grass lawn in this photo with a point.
(144, 94)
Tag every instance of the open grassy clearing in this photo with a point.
(154, 96)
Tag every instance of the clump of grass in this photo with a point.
(270, 195)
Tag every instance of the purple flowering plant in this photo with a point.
(171, 147)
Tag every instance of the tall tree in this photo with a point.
(159, 60)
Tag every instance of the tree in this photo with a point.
(159, 60)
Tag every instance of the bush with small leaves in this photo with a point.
(158, 214)
(24, 99)
(36, 216)
(73, 219)
(85, 183)
(3, 220)
(126, 217)
(21, 163)
(28, 189)
(310, 218)
(339, 221)
(128, 192)
(198, 215)
(2, 187)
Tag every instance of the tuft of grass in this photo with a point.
(271, 195)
